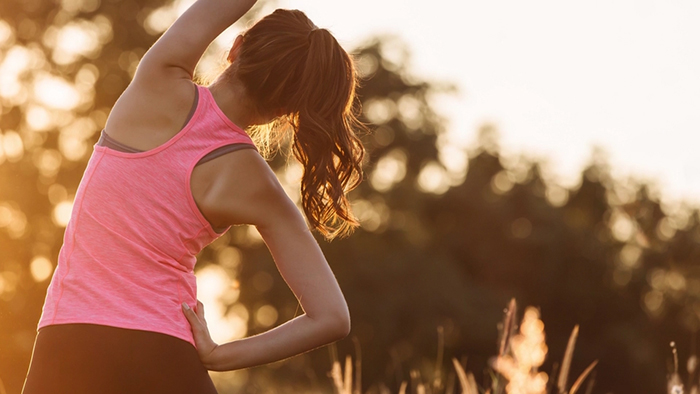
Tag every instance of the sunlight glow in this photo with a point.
(266, 316)
(456, 162)
(380, 111)
(654, 302)
(40, 268)
(528, 353)
(5, 32)
(556, 195)
(373, 215)
(665, 230)
(501, 182)
(16, 61)
(160, 19)
(12, 145)
(630, 256)
(72, 141)
(80, 38)
(213, 283)
(229, 257)
(38, 118)
(47, 161)
(410, 113)
(254, 236)
(55, 92)
(5, 214)
(290, 180)
(18, 226)
(433, 179)
(62, 213)
(86, 77)
(390, 169)
(366, 65)
(75, 6)
(57, 193)
(621, 225)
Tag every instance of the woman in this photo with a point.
(173, 169)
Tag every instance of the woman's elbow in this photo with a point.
(338, 325)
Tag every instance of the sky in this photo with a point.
(556, 77)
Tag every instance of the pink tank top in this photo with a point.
(129, 248)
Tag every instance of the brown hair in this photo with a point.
(289, 66)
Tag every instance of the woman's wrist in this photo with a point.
(216, 359)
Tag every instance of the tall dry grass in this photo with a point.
(521, 352)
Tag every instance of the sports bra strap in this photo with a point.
(109, 142)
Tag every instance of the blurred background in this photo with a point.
(528, 150)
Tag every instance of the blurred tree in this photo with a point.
(448, 236)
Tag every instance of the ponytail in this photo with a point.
(290, 66)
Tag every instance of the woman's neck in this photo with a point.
(231, 97)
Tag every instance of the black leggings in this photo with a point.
(89, 358)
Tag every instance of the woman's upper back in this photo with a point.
(130, 246)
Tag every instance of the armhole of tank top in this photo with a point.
(215, 153)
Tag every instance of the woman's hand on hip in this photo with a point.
(205, 345)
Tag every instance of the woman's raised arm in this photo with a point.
(183, 44)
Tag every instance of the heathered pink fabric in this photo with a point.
(129, 249)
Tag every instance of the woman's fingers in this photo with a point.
(203, 342)
(191, 316)
(200, 310)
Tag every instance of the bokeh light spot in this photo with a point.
(433, 179)
(501, 182)
(384, 135)
(557, 196)
(40, 268)
(629, 256)
(159, 20)
(5, 33)
(380, 111)
(373, 216)
(87, 76)
(229, 257)
(665, 230)
(57, 193)
(390, 169)
(48, 161)
(76, 39)
(5, 215)
(55, 92)
(38, 118)
(366, 65)
(12, 146)
(266, 315)
(621, 276)
(653, 302)
(622, 226)
(62, 213)
(409, 110)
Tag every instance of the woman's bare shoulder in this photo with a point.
(242, 189)
(149, 113)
